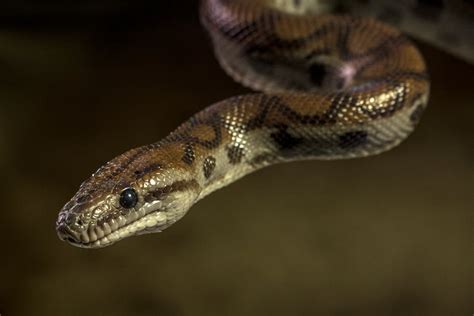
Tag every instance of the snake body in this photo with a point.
(333, 87)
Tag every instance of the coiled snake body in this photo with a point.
(334, 87)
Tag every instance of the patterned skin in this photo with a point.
(334, 87)
(447, 24)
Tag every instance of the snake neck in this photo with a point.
(223, 143)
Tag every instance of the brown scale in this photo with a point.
(357, 87)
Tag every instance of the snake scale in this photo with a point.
(332, 87)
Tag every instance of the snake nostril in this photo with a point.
(70, 219)
(74, 220)
(66, 234)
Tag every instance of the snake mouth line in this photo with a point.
(117, 229)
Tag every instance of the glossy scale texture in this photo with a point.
(333, 87)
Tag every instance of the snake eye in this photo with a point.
(128, 198)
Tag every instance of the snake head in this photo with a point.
(132, 194)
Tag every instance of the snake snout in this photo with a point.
(66, 234)
(69, 226)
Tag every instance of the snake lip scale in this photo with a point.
(108, 233)
(332, 87)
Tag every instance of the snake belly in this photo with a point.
(332, 87)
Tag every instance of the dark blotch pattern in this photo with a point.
(415, 116)
(317, 73)
(208, 166)
(160, 193)
(284, 139)
(235, 154)
(353, 139)
(189, 155)
(147, 169)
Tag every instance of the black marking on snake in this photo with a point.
(177, 186)
(208, 166)
(327, 77)
(415, 116)
(120, 168)
(275, 103)
(147, 169)
(293, 115)
(259, 120)
(284, 139)
(249, 29)
(318, 72)
(275, 46)
(290, 145)
(235, 154)
(353, 139)
(189, 155)
(303, 41)
(213, 121)
(381, 51)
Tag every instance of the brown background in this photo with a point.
(385, 235)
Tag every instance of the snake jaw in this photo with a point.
(105, 223)
(109, 229)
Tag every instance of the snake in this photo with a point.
(325, 87)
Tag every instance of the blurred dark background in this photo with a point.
(84, 81)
